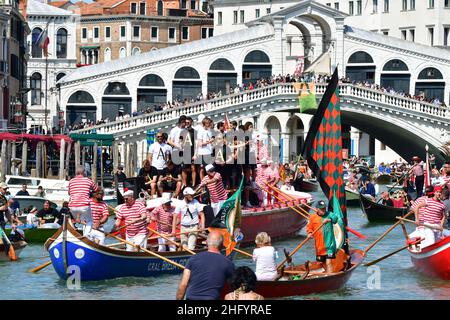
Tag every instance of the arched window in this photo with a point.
(430, 73)
(81, 97)
(122, 53)
(187, 73)
(61, 43)
(360, 57)
(160, 8)
(116, 88)
(136, 51)
(151, 80)
(36, 86)
(395, 65)
(107, 56)
(221, 64)
(59, 76)
(257, 56)
(36, 51)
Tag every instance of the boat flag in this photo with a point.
(282, 172)
(228, 219)
(226, 123)
(323, 147)
(427, 171)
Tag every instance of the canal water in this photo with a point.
(393, 278)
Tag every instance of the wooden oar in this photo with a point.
(425, 224)
(170, 240)
(42, 266)
(11, 252)
(384, 234)
(243, 252)
(150, 252)
(299, 246)
(392, 253)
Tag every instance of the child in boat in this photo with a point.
(264, 256)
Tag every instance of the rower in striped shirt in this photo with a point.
(135, 215)
(165, 223)
(433, 214)
(100, 215)
(213, 181)
(80, 189)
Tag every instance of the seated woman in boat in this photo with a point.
(243, 284)
(265, 255)
(324, 238)
(32, 220)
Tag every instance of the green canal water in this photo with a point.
(393, 278)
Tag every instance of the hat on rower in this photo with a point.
(321, 204)
(166, 197)
(209, 167)
(128, 193)
(188, 191)
(3, 185)
(437, 188)
(34, 210)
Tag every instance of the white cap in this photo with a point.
(3, 185)
(209, 167)
(166, 197)
(264, 161)
(128, 193)
(188, 191)
(201, 117)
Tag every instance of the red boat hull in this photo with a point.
(434, 260)
(279, 223)
(314, 284)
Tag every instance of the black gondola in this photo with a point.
(376, 212)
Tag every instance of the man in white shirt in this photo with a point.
(176, 132)
(159, 154)
(205, 140)
(191, 218)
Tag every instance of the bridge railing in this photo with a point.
(349, 90)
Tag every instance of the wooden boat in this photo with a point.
(433, 260)
(97, 262)
(313, 282)
(352, 197)
(383, 179)
(306, 185)
(18, 247)
(35, 235)
(376, 212)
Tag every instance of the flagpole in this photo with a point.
(46, 92)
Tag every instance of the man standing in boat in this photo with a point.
(164, 216)
(324, 239)
(135, 216)
(100, 215)
(192, 218)
(213, 181)
(419, 179)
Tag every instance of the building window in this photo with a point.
(107, 55)
(446, 31)
(84, 34)
(123, 32)
(412, 34)
(59, 76)
(359, 7)
(204, 33)
(193, 4)
(172, 34)
(96, 34)
(235, 17)
(404, 5)
(36, 85)
(374, 6)
(430, 4)
(351, 8)
(403, 34)
(133, 8)
(136, 51)
(412, 5)
(185, 33)
(142, 8)
(219, 18)
(447, 3)
(328, 4)
(242, 16)
(122, 53)
(431, 36)
(268, 10)
(107, 33)
(336, 5)
(385, 32)
(61, 43)
(183, 4)
(257, 13)
(160, 8)
(386, 5)
(382, 146)
(154, 33)
(136, 32)
(210, 32)
(36, 51)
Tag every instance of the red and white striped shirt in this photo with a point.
(433, 211)
(216, 190)
(164, 218)
(80, 189)
(99, 210)
(416, 203)
(132, 213)
(263, 152)
(262, 175)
